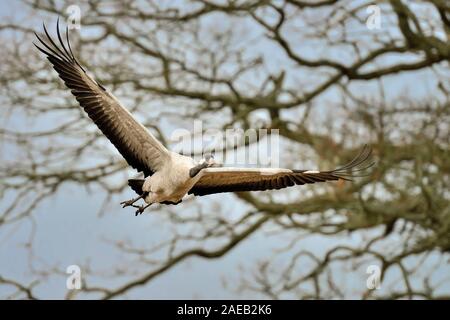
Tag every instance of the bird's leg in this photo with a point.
(131, 201)
(142, 208)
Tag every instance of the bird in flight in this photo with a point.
(169, 176)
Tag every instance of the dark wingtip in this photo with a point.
(45, 28)
(61, 41)
(356, 167)
(64, 54)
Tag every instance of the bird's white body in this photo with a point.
(172, 182)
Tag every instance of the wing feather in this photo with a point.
(137, 145)
(218, 180)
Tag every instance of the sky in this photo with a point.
(70, 232)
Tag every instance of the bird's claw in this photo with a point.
(127, 203)
(140, 210)
(131, 202)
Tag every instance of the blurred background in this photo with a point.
(330, 75)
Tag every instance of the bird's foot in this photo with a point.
(141, 209)
(130, 202)
(127, 203)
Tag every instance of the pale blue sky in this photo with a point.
(69, 231)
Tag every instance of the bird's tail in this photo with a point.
(136, 185)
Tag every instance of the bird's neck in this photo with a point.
(195, 170)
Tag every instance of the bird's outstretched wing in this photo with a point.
(217, 180)
(137, 145)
